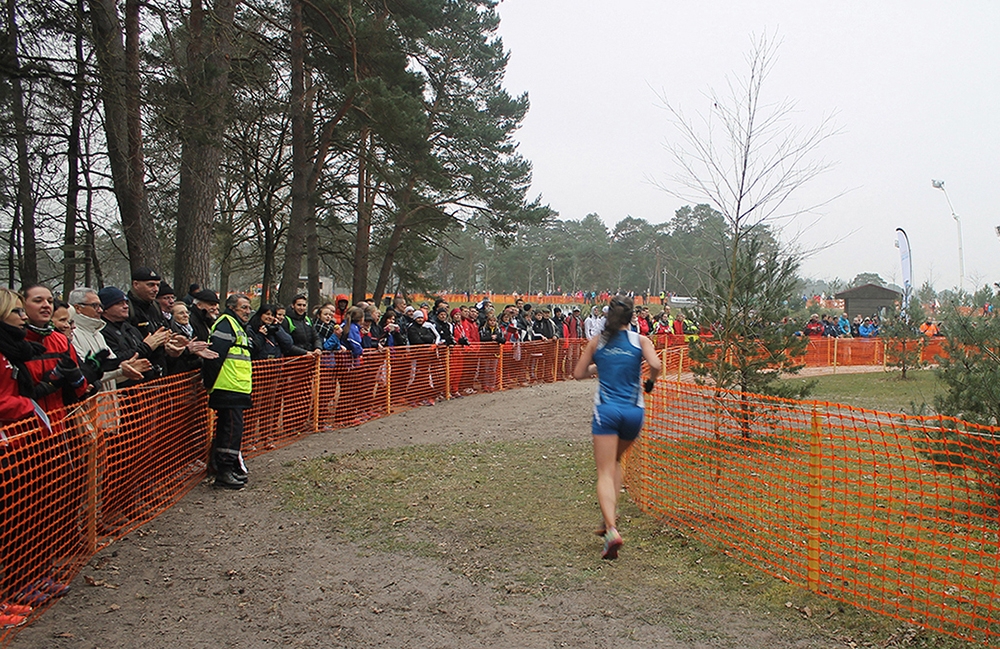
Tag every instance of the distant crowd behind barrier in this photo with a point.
(839, 500)
(116, 460)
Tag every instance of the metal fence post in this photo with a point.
(447, 372)
(815, 503)
(92, 487)
(555, 359)
(315, 392)
(500, 376)
(388, 381)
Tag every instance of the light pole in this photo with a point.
(552, 272)
(939, 184)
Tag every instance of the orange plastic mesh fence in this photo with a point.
(107, 466)
(499, 300)
(283, 403)
(825, 352)
(117, 460)
(832, 352)
(866, 507)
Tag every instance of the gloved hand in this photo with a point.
(98, 358)
(66, 372)
(92, 366)
(648, 385)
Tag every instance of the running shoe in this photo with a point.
(52, 587)
(8, 621)
(612, 542)
(9, 608)
(32, 596)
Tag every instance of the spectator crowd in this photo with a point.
(843, 326)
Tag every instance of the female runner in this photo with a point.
(616, 357)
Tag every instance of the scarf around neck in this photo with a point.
(42, 331)
(19, 351)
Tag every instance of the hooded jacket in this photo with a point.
(340, 315)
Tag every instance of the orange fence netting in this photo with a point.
(117, 460)
(836, 499)
(878, 510)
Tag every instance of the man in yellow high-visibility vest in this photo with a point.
(228, 381)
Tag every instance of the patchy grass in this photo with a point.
(884, 391)
(479, 507)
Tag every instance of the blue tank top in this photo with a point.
(619, 370)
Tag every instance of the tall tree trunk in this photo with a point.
(209, 55)
(312, 235)
(395, 239)
(118, 67)
(92, 265)
(73, 159)
(14, 252)
(25, 196)
(225, 238)
(268, 276)
(312, 255)
(319, 162)
(362, 237)
(300, 162)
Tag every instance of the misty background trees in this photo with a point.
(238, 143)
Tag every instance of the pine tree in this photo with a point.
(904, 341)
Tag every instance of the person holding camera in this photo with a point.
(616, 356)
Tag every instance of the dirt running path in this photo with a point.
(224, 569)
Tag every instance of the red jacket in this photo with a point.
(13, 406)
(814, 328)
(572, 327)
(471, 330)
(56, 346)
(340, 316)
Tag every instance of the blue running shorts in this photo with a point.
(623, 421)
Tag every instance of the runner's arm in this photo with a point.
(585, 367)
(651, 357)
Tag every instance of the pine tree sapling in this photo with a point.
(746, 306)
(971, 370)
(745, 159)
(903, 339)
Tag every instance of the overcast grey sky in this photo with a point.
(915, 85)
